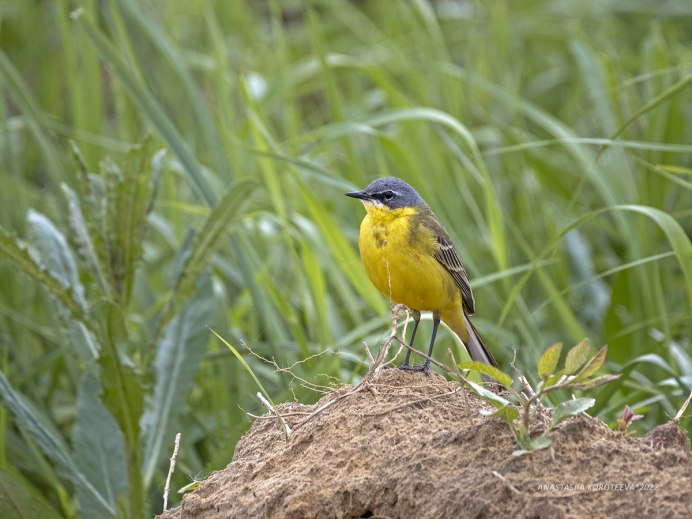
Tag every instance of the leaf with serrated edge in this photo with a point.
(548, 361)
(571, 408)
(16, 253)
(487, 369)
(577, 356)
(81, 231)
(56, 254)
(593, 365)
(130, 191)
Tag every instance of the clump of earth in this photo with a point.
(414, 445)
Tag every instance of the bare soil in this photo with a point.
(411, 445)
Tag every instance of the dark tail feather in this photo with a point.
(476, 348)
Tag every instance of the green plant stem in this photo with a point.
(132, 448)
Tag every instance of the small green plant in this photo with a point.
(520, 407)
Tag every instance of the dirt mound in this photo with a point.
(411, 445)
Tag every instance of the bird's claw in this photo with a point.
(425, 368)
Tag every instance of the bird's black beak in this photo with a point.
(360, 195)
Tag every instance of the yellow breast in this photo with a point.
(398, 255)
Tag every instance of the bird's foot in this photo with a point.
(425, 368)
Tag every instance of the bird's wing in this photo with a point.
(448, 257)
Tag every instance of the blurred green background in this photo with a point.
(168, 166)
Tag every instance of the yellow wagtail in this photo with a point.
(409, 257)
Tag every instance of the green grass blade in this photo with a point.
(143, 97)
(220, 220)
(248, 369)
(33, 115)
(199, 108)
(654, 103)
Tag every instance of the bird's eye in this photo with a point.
(388, 195)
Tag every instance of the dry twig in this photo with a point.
(171, 468)
(265, 403)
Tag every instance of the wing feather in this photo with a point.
(448, 257)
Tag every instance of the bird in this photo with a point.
(409, 257)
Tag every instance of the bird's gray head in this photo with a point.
(390, 192)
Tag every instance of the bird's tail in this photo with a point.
(462, 326)
(476, 347)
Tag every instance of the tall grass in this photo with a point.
(213, 143)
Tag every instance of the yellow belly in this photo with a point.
(405, 272)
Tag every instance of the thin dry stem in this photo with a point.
(505, 481)
(682, 409)
(171, 469)
(265, 402)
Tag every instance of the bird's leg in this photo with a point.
(416, 320)
(436, 323)
(425, 367)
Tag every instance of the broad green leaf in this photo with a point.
(122, 385)
(571, 408)
(487, 369)
(99, 451)
(20, 500)
(129, 200)
(593, 365)
(540, 442)
(577, 356)
(87, 217)
(83, 238)
(56, 254)
(548, 360)
(16, 253)
(178, 355)
(61, 265)
(48, 439)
